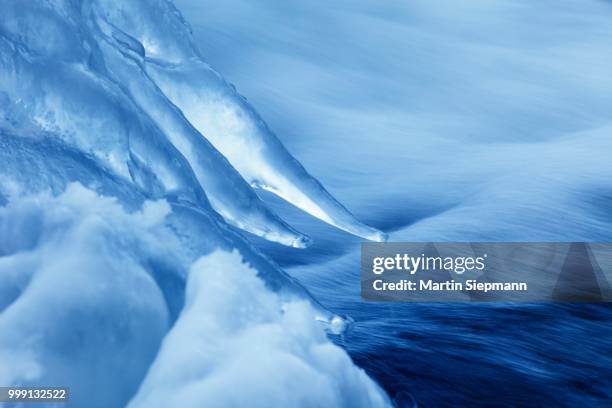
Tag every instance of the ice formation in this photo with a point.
(216, 109)
(152, 133)
(112, 198)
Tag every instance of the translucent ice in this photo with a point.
(110, 85)
(215, 108)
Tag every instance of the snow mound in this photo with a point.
(238, 344)
(89, 292)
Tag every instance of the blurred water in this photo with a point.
(476, 120)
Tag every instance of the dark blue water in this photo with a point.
(443, 354)
(499, 354)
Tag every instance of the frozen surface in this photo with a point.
(111, 197)
(114, 111)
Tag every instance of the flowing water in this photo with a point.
(440, 121)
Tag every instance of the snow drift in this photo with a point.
(89, 292)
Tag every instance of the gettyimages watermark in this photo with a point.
(464, 272)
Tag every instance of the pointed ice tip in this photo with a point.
(302, 242)
(380, 236)
(375, 235)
